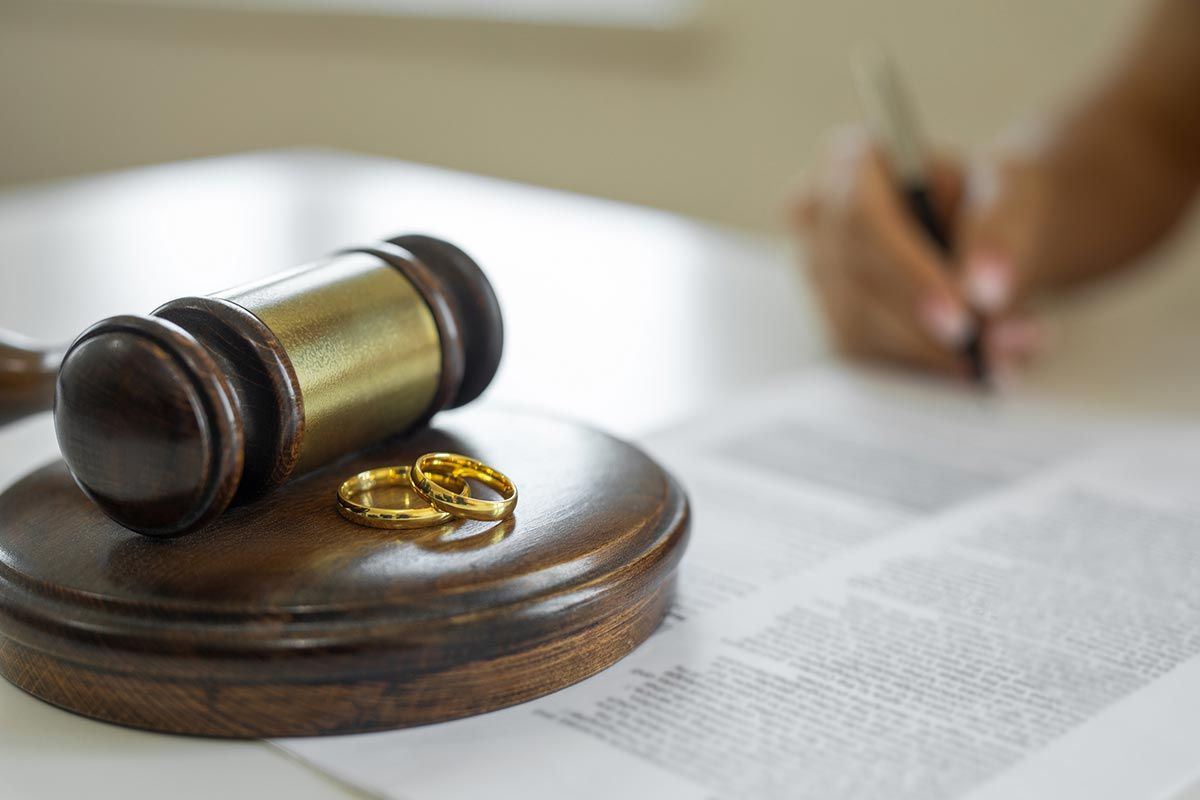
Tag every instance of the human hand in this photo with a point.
(886, 289)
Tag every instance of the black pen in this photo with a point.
(893, 122)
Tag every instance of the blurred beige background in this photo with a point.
(710, 117)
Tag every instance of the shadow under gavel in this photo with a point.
(27, 373)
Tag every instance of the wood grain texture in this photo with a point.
(474, 305)
(282, 618)
(149, 424)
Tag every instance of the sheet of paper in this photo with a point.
(892, 591)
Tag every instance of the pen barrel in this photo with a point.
(920, 204)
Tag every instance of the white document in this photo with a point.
(892, 591)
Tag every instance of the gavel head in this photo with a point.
(165, 420)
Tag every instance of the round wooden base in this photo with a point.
(283, 619)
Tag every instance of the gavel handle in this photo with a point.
(27, 374)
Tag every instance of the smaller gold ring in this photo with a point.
(393, 518)
(461, 504)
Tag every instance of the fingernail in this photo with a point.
(947, 321)
(988, 283)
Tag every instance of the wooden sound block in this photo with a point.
(283, 619)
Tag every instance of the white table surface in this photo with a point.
(623, 317)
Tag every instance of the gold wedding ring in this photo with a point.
(443, 497)
(419, 516)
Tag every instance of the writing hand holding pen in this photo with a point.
(894, 126)
(1073, 197)
(879, 223)
(889, 292)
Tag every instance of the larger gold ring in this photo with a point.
(461, 504)
(394, 518)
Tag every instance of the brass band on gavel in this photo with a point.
(166, 419)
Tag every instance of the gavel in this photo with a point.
(166, 420)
